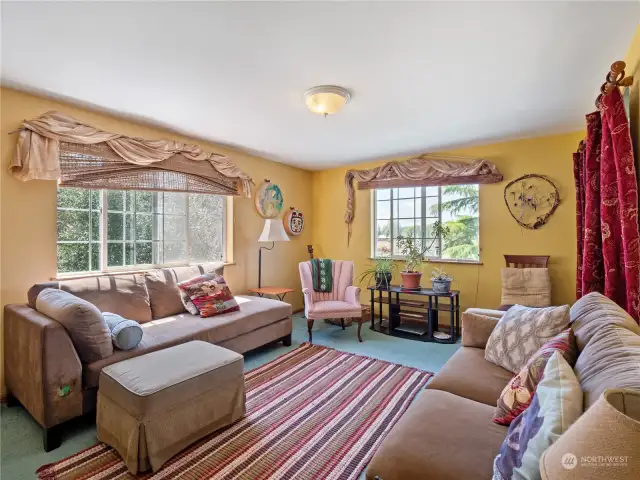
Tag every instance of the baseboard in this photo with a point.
(4, 399)
(298, 311)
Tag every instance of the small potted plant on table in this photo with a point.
(381, 271)
(414, 255)
(440, 281)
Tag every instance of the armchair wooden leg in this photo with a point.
(309, 327)
(342, 323)
(359, 327)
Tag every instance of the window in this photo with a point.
(137, 228)
(414, 211)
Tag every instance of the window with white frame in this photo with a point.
(102, 230)
(413, 212)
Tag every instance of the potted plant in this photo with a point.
(381, 271)
(440, 281)
(414, 255)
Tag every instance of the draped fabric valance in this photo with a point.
(425, 170)
(57, 147)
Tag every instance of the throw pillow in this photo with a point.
(83, 321)
(521, 332)
(188, 304)
(210, 294)
(526, 286)
(476, 329)
(517, 395)
(125, 334)
(555, 406)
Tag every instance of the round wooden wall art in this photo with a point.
(294, 222)
(269, 199)
(531, 199)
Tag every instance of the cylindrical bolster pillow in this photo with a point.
(88, 330)
(125, 334)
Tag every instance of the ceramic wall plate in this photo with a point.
(268, 200)
(294, 222)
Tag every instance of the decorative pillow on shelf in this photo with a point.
(556, 404)
(210, 294)
(125, 334)
(517, 395)
(521, 332)
(526, 286)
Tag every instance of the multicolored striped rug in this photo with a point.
(314, 413)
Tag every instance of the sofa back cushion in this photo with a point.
(609, 343)
(162, 285)
(87, 328)
(124, 294)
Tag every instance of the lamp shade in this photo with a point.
(604, 443)
(273, 231)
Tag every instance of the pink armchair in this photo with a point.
(343, 302)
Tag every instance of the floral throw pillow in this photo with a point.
(517, 395)
(556, 404)
(210, 294)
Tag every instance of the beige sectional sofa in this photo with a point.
(43, 370)
(448, 432)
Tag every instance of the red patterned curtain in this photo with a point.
(607, 208)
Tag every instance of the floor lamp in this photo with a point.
(273, 231)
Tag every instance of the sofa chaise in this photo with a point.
(43, 370)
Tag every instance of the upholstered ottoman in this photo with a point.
(153, 406)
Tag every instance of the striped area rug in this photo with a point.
(314, 413)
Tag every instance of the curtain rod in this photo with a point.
(615, 78)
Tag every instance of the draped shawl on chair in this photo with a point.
(55, 146)
(607, 208)
(425, 170)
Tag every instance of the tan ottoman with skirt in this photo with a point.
(153, 406)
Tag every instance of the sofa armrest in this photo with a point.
(476, 328)
(41, 366)
(352, 295)
(486, 312)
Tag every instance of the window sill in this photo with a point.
(442, 260)
(76, 276)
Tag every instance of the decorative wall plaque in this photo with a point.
(269, 199)
(531, 199)
(294, 222)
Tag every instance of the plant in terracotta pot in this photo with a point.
(440, 281)
(409, 247)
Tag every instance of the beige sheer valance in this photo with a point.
(425, 170)
(57, 147)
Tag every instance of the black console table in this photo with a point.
(415, 319)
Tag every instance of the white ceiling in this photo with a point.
(423, 76)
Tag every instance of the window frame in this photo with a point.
(103, 215)
(423, 217)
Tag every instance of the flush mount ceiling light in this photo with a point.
(326, 99)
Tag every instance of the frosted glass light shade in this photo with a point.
(273, 231)
(327, 99)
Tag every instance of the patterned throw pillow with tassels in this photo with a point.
(517, 395)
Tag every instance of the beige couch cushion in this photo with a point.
(476, 329)
(162, 285)
(87, 328)
(124, 294)
(469, 375)
(521, 332)
(254, 313)
(440, 437)
(609, 340)
(526, 286)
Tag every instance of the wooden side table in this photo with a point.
(279, 292)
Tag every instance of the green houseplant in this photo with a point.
(409, 247)
(440, 281)
(381, 271)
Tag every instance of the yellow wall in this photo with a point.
(499, 233)
(633, 68)
(28, 210)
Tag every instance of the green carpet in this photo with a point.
(21, 452)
